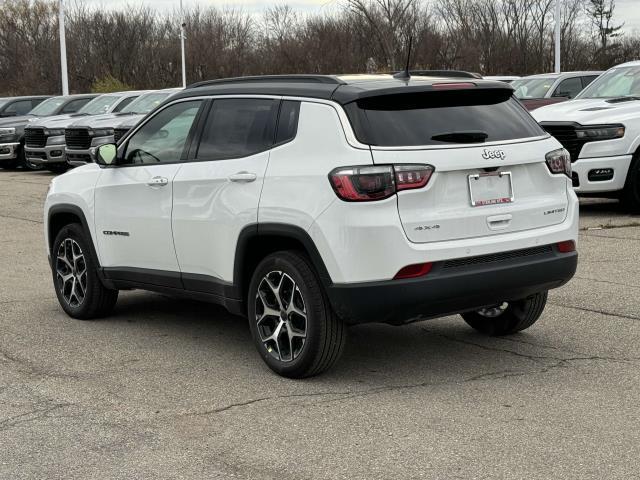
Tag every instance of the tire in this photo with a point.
(81, 295)
(57, 167)
(517, 316)
(26, 164)
(286, 284)
(631, 193)
(8, 164)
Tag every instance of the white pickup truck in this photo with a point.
(601, 130)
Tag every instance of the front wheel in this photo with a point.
(292, 323)
(508, 318)
(80, 292)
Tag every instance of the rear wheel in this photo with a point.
(8, 164)
(631, 192)
(75, 276)
(292, 323)
(508, 318)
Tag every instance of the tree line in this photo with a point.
(139, 47)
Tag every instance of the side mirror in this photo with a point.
(106, 154)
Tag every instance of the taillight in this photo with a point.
(414, 271)
(369, 183)
(567, 246)
(559, 161)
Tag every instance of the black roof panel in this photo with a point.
(343, 89)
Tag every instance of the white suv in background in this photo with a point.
(601, 131)
(308, 203)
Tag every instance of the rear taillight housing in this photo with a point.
(370, 183)
(559, 161)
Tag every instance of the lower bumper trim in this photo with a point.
(448, 291)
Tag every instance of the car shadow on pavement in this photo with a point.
(438, 351)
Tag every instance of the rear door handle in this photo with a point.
(245, 177)
(157, 182)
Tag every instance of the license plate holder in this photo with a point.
(490, 188)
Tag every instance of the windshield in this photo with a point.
(146, 103)
(440, 118)
(48, 107)
(617, 82)
(101, 104)
(532, 87)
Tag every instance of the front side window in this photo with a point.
(163, 138)
(568, 88)
(238, 127)
(441, 118)
(75, 105)
(617, 82)
(124, 103)
(19, 108)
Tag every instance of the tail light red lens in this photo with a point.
(369, 183)
(559, 161)
(414, 271)
(567, 246)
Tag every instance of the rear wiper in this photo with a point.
(625, 98)
(461, 137)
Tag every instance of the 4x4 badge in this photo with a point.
(489, 154)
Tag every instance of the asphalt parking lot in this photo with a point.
(174, 389)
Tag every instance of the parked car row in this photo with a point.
(60, 131)
(598, 125)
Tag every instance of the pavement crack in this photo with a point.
(21, 218)
(30, 416)
(594, 310)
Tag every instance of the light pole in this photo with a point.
(63, 51)
(557, 36)
(184, 68)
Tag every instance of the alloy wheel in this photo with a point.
(281, 316)
(71, 272)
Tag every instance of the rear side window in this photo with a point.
(238, 127)
(288, 121)
(440, 118)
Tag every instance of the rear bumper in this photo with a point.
(46, 155)
(583, 167)
(454, 287)
(9, 151)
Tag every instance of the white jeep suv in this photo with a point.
(601, 130)
(308, 203)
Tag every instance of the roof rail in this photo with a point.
(327, 79)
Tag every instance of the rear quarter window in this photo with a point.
(440, 118)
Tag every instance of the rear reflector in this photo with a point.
(567, 246)
(414, 271)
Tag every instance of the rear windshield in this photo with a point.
(440, 118)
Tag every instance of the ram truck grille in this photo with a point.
(567, 136)
(77, 138)
(35, 137)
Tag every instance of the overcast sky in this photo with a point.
(627, 11)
